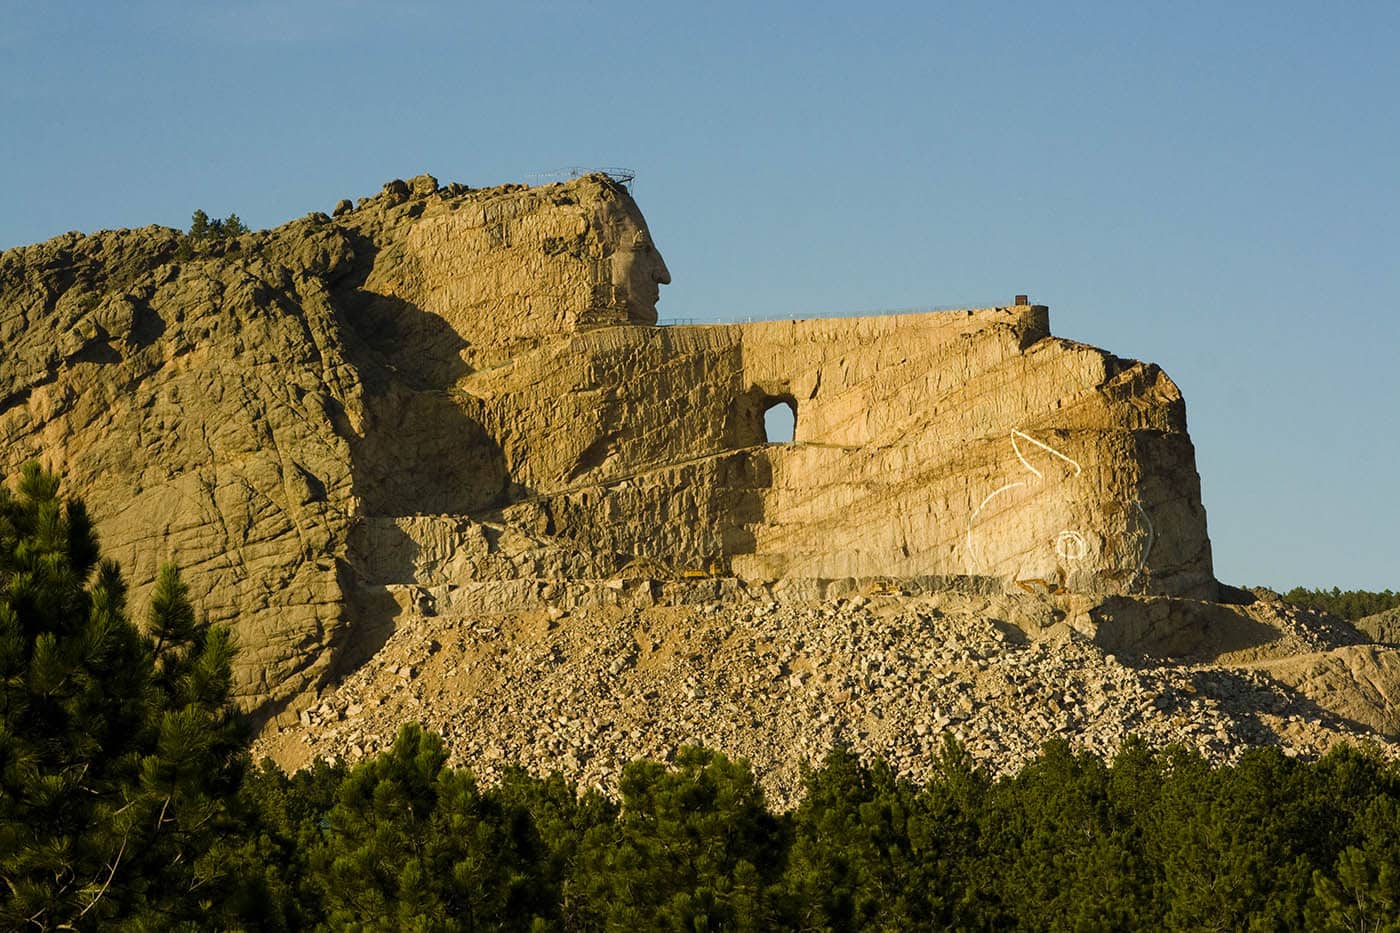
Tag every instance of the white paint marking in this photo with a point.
(1015, 433)
(972, 562)
(1147, 549)
(1070, 545)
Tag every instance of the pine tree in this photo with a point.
(116, 751)
(412, 844)
(1231, 842)
(695, 848)
(233, 226)
(1364, 894)
(199, 225)
(265, 863)
(1062, 854)
(852, 864)
(563, 819)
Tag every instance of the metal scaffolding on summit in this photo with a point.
(623, 176)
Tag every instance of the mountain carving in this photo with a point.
(346, 421)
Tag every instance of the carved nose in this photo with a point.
(663, 275)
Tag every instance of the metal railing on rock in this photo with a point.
(623, 176)
(806, 316)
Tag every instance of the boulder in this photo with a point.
(422, 185)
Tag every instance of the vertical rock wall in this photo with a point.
(965, 442)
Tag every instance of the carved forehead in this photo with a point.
(621, 227)
(618, 213)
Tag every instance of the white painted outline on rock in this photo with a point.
(1070, 545)
(1016, 432)
(973, 564)
(1147, 548)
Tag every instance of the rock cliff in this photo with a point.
(442, 387)
(434, 459)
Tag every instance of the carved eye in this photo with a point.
(642, 241)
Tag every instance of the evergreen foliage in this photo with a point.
(1155, 839)
(1349, 604)
(414, 845)
(854, 862)
(204, 228)
(564, 819)
(694, 848)
(118, 751)
(125, 802)
(281, 822)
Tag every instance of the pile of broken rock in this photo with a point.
(780, 681)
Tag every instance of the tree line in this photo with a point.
(1349, 604)
(1154, 839)
(127, 800)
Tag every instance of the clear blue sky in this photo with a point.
(1211, 186)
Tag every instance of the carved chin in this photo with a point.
(642, 312)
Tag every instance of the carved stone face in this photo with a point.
(636, 268)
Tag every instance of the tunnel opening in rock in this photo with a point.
(779, 421)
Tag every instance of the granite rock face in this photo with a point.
(339, 423)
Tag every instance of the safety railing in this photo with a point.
(805, 315)
(623, 176)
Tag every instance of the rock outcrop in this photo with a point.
(1383, 627)
(443, 392)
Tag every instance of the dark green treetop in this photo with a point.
(204, 228)
(116, 748)
(412, 844)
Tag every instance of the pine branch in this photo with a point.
(110, 875)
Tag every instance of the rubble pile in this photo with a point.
(780, 682)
